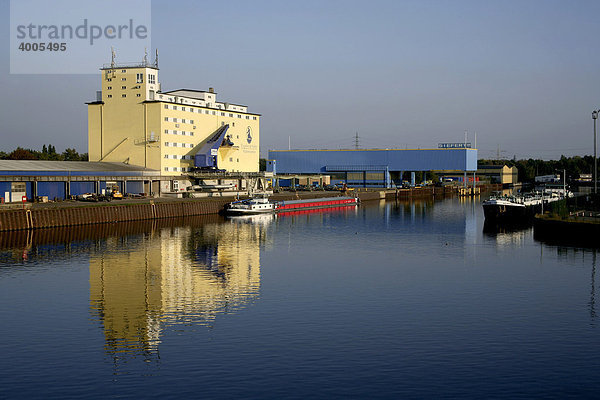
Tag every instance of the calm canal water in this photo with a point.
(387, 300)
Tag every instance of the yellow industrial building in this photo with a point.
(132, 121)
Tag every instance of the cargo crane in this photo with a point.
(206, 158)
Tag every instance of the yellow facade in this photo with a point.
(133, 122)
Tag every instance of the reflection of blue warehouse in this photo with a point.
(377, 167)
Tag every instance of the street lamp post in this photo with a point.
(594, 175)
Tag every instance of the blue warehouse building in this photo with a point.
(376, 167)
(60, 179)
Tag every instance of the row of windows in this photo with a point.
(205, 111)
(176, 132)
(178, 157)
(123, 95)
(182, 120)
(175, 169)
(123, 87)
(175, 144)
(139, 78)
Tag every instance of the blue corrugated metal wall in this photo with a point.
(4, 187)
(322, 161)
(51, 189)
(135, 187)
(82, 187)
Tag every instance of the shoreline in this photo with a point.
(31, 216)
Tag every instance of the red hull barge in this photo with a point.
(312, 204)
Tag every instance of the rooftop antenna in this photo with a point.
(356, 141)
(113, 56)
(156, 59)
(145, 56)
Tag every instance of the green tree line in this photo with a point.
(48, 152)
(529, 169)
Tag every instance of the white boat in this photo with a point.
(520, 207)
(256, 205)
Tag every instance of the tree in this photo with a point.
(21, 154)
(70, 155)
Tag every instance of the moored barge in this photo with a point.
(263, 205)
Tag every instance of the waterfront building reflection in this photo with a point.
(173, 275)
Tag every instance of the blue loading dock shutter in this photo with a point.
(78, 188)
(52, 190)
(135, 187)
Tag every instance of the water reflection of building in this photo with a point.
(183, 274)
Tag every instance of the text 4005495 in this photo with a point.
(50, 46)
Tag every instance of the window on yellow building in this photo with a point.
(108, 87)
(139, 78)
(123, 87)
(123, 95)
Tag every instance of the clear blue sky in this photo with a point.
(524, 75)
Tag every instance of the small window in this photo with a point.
(183, 120)
(191, 145)
(166, 131)
(109, 80)
(254, 118)
(231, 159)
(182, 108)
(108, 87)
(167, 119)
(174, 107)
(166, 168)
(176, 125)
(167, 144)
(239, 116)
(123, 95)
(138, 95)
(222, 114)
(166, 107)
(123, 70)
(238, 160)
(139, 78)
(174, 119)
(247, 117)
(174, 132)
(123, 79)
(110, 96)
(231, 115)
(166, 156)
(191, 133)
(192, 121)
